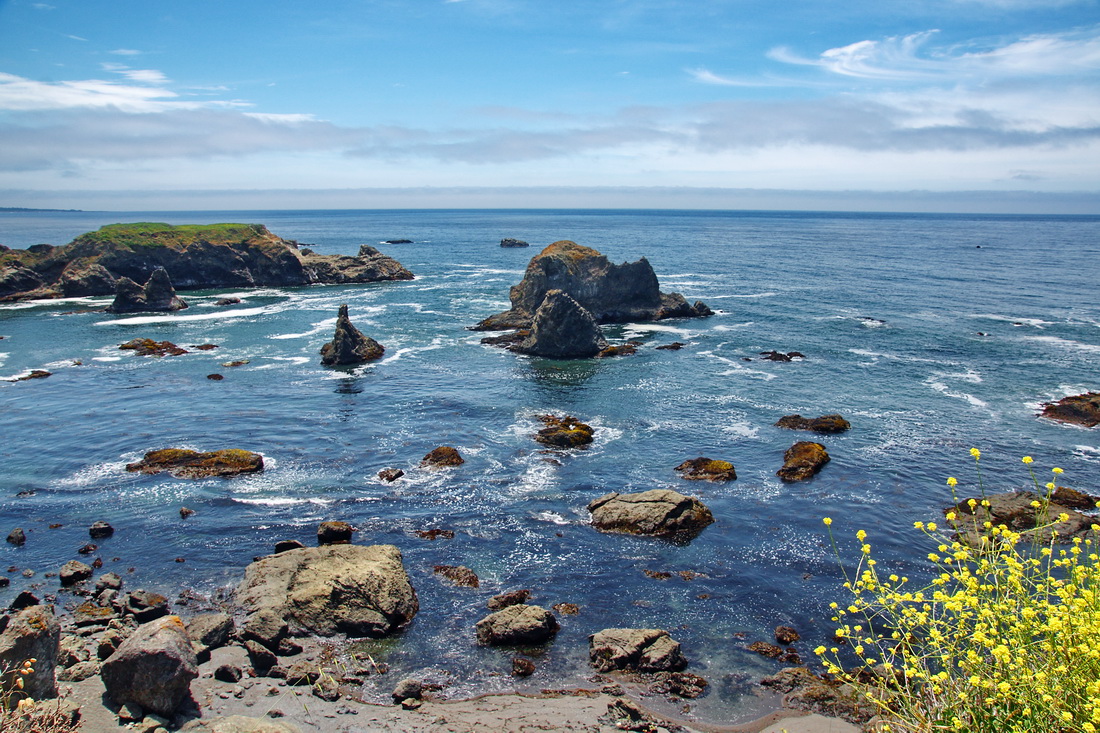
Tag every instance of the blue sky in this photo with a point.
(519, 102)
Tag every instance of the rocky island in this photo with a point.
(192, 256)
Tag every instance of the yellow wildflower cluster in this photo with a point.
(1004, 637)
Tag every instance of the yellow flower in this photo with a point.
(1026, 459)
(952, 481)
(1057, 470)
(918, 525)
(861, 535)
(827, 521)
(931, 526)
(950, 516)
(976, 453)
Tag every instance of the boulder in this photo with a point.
(562, 329)
(459, 575)
(351, 589)
(210, 631)
(153, 668)
(74, 572)
(17, 537)
(511, 598)
(408, 689)
(334, 533)
(564, 432)
(509, 242)
(349, 345)
(823, 424)
(516, 625)
(32, 633)
(638, 650)
(183, 463)
(149, 347)
(100, 530)
(707, 469)
(145, 605)
(657, 512)
(444, 455)
(157, 295)
(16, 279)
(802, 460)
(284, 545)
(266, 627)
(1014, 510)
(389, 475)
(1082, 409)
(611, 293)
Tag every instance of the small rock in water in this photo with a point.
(17, 537)
(88, 549)
(215, 377)
(444, 455)
(459, 575)
(185, 512)
(286, 545)
(432, 534)
(522, 667)
(510, 598)
(334, 533)
(100, 530)
(390, 474)
(786, 635)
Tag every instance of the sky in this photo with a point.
(858, 105)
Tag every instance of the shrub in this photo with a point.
(1005, 636)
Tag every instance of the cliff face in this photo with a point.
(194, 256)
(611, 293)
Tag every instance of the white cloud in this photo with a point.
(125, 52)
(19, 94)
(705, 76)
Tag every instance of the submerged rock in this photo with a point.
(183, 463)
(562, 329)
(802, 460)
(611, 293)
(658, 512)
(459, 575)
(157, 295)
(349, 589)
(639, 650)
(349, 345)
(149, 347)
(564, 432)
(442, 456)
(1082, 409)
(707, 469)
(515, 625)
(823, 424)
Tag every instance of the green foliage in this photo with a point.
(153, 234)
(1005, 637)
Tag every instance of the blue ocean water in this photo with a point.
(931, 334)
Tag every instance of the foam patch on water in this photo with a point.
(741, 429)
(282, 501)
(437, 343)
(51, 302)
(1033, 322)
(320, 327)
(98, 473)
(937, 381)
(552, 517)
(1062, 343)
(220, 315)
(876, 355)
(1090, 453)
(3, 357)
(637, 329)
(738, 368)
(744, 296)
(733, 326)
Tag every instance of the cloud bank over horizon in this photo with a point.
(940, 108)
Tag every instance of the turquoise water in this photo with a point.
(886, 308)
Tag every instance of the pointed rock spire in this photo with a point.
(349, 345)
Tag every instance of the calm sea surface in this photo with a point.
(931, 334)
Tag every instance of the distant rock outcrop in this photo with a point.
(562, 329)
(184, 463)
(193, 256)
(611, 293)
(1082, 409)
(349, 345)
(509, 242)
(564, 432)
(156, 296)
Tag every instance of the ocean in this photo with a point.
(931, 334)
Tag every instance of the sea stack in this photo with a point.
(611, 293)
(349, 345)
(562, 329)
(158, 295)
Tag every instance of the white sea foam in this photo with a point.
(876, 355)
(1033, 322)
(220, 315)
(437, 343)
(1090, 453)
(733, 326)
(738, 368)
(321, 327)
(636, 329)
(283, 501)
(3, 357)
(52, 302)
(745, 296)
(937, 381)
(1062, 343)
(741, 429)
(551, 517)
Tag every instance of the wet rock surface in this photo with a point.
(1082, 409)
(641, 650)
(564, 432)
(802, 460)
(183, 463)
(658, 512)
(157, 295)
(349, 345)
(707, 469)
(520, 624)
(823, 424)
(443, 456)
(562, 329)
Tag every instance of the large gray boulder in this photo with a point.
(32, 633)
(350, 589)
(562, 329)
(153, 668)
(658, 512)
(157, 295)
(639, 650)
(519, 624)
(611, 293)
(349, 345)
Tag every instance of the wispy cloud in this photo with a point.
(706, 76)
(125, 52)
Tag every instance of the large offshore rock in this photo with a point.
(611, 293)
(658, 512)
(184, 463)
(639, 650)
(32, 633)
(349, 345)
(823, 424)
(517, 625)
(193, 256)
(157, 295)
(562, 329)
(802, 460)
(153, 668)
(349, 589)
(1082, 409)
